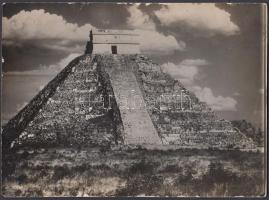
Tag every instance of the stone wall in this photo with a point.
(79, 107)
(109, 100)
(17, 124)
(178, 115)
(75, 113)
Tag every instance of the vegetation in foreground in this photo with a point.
(134, 172)
(249, 130)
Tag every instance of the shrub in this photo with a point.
(141, 167)
(22, 178)
(60, 172)
(174, 168)
(141, 184)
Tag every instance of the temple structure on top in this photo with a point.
(113, 42)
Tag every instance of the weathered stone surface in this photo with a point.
(111, 99)
(75, 114)
(138, 127)
(16, 125)
(62, 141)
(178, 115)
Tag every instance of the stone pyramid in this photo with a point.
(118, 99)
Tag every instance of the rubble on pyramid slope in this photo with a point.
(179, 116)
(76, 113)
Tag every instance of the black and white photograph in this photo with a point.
(134, 99)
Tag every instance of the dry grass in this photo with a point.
(140, 172)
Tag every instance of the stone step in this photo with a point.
(138, 127)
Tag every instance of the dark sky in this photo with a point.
(214, 49)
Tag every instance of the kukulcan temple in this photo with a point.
(113, 95)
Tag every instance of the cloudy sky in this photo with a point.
(215, 50)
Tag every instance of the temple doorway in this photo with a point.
(114, 49)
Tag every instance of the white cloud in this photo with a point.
(203, 16)
(187, 72)
(21, 106)
(236, 94)
(50, 30)
(138, 19)
(54, 32)
(41, 87)
(194, 62)
(218, 103)
(38, 24)
(151, 41)
(59, 46)
(47, 70)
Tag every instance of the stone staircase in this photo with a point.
(138, 126)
